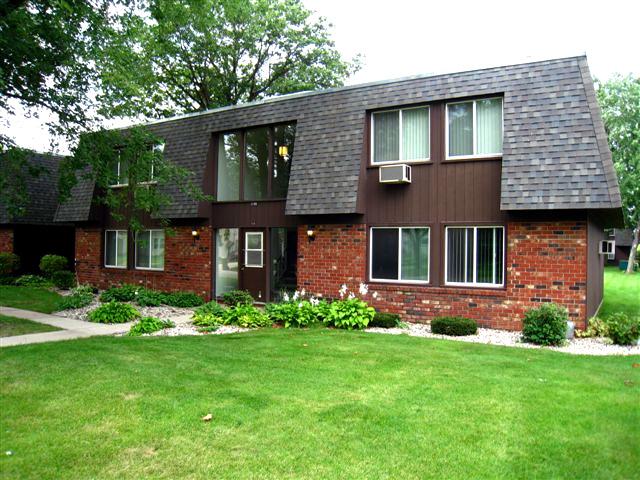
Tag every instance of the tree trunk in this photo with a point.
(634, 247)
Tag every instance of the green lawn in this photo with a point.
(29, 298)
(621, 293)
(315, 403)
(11, 326)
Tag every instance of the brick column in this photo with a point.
(6, 240)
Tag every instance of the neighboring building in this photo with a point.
(623, 238)
(35, 234)
(511, 186)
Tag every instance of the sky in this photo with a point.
(401, 38)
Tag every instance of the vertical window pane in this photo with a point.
(143, 248)
(489, 125)
(499, 259)
(415, 134)
(228, 173)
(226, 260)
(256, 171)
(121, 260)
(460, 129)
(456, 254)
(283, 251)
(471, 238)
(384, 253)
(386, 133)
(283, 142)
(484, 256)
(157, 249)
(415, 254)
(110, 248)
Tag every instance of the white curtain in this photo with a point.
(489, 125)
(460, 129)
(415, 134)
(386, 133)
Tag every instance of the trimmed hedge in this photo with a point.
(50, 264)
(237, 297)
(9, 263)
(545, 325)
(454, 326)
(183, 300)
(385, 320)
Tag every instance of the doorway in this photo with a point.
(253, 271)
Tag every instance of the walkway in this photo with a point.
(71, 328)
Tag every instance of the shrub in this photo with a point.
(50, 264)
(322, 310)
(183, 299)
(32, 281)
(209, 315)
(246, 316)
(9, 263)
(622, 329)
(80, 297)
(63, 279)
(114, 312)
(454, 326)
(150, 298)
(149, 325)
(236, 297)
(5, 280)
(545, 325)
(123, 293)
(385, 320)
(596, 328)
(350, 313)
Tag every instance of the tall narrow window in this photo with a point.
(400, 254)
(256, 167)
(228, 184)
(474, 128)
(150, 249)
(475, 256)
(283, 143)
(400, 135)
(115, 248)
(226, 260)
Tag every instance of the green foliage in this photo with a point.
(454, 326)
(545, 325)
(385, 320)
(150, 298)
(50, 264)
(149, 325)
(64, 280)
(183, 300)
(32, 281)
(209, 315)
(294, 313)
(123, 293)
(236, 297)
(597, 327)
(80, 297)
(15, 169)
(351, 313)
(246, 316)
(7, 280)
(622, 329)
(114, 312)
(9, 263)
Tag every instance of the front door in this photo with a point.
(253, 264)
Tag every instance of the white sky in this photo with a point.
(403, 37)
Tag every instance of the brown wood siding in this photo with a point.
(595, 268)
(268, 213)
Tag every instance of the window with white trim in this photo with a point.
(474, 128)
(115, 248)
(400, 135)
(399, 254)
(119, 173)
(253, 251)
(474, 256)
(150, 250)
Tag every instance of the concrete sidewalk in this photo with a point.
(70, 328)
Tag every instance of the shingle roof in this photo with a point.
(555, 154)
(42, 190)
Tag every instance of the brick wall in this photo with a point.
(545, 262)
(187, 264)
(6, 239)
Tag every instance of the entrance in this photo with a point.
(253, 272)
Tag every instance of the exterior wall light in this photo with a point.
(195, 234)
(311, 234)
(283, 151)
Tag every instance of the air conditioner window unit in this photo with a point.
(395, 173)
(607, 247)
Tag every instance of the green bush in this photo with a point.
(236, 297)
(32, 281)
(454, 326)
(114, 312)
(149, 325)
(150, 298)
(63, 279)
(596, 328)
(9, 263)
(209, 315)
(545, 325)
(350, 314)
(50, 264)
(80, 297)
(246, 316)
(183, 300)
(622, 329)
(122, 293)
(385, 320)
(7, 280)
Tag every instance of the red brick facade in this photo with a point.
(545, 262)
(187, 263)
(6, 240)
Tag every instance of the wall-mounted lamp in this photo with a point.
(283, 151)
(311, 233)
(195, 235)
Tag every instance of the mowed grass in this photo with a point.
(314, 403)
(11, 326)
(29, 298)
(621, 293)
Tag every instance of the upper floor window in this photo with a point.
(120, 170)
(400, 135)
(474, 256)
(474, 128)
(254, 164)
(115, 248)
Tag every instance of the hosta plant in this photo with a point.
(350, 314)
(246, 316)
(114, 312)
(149, 325)
(209, 315)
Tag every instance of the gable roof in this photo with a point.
(555, 154)
(42, 190)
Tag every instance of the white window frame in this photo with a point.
(135, 250)
(400, 152)
(247, 250)
(151, 180)
(475, 131)
(118, 184)
(106, 246)
(399, 280)
(475, 283)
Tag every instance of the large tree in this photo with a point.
(619, 100)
